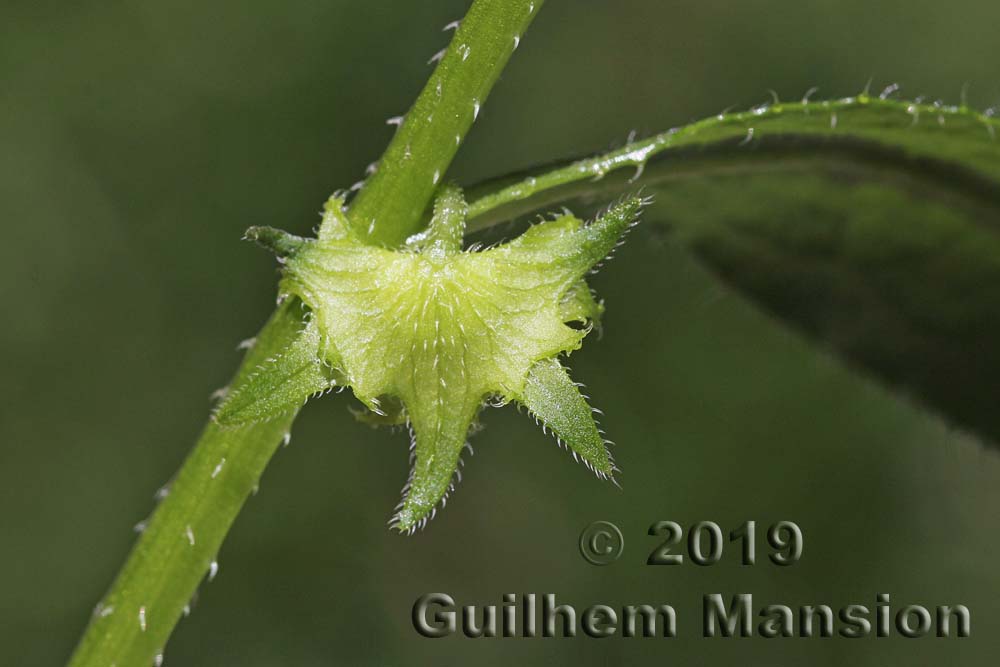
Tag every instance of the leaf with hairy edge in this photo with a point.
(870, 224)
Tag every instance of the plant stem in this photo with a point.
(854, 127)
(178, 547)
(179, 544)
(391, 204)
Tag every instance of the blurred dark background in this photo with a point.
(140, 139)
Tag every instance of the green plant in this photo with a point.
(876, 141)
(423, 335)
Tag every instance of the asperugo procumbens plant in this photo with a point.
(386, 301)
(425, 333)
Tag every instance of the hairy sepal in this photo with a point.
(556, 402)
(281, 385)
(430, 332)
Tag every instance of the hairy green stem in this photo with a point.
(391, 204)
(177, 549)
(860, 129)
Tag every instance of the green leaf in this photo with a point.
(872, 225)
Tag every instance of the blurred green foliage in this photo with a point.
(140, 140)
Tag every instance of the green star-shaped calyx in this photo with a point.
(426, 334)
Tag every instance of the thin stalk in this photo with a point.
(854, 128)
(178, 548)
(391, 204)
